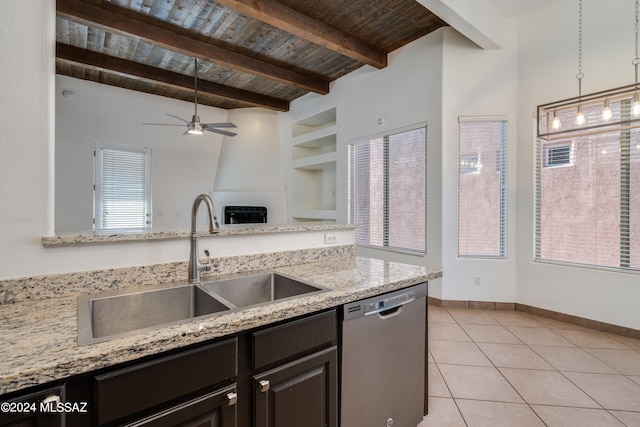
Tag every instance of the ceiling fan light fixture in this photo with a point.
(195, 128)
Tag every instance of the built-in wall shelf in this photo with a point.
(317, 162)
(314, 123)
(320, 215)
(313, 167)
(322, 141)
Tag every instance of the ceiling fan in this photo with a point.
(195, 127)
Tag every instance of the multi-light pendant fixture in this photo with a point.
(587, 114)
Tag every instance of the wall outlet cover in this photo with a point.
(330, 238)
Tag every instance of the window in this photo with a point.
(387, 190)
(589, 214)
(557, 155)
(482, 187)
(122, 196)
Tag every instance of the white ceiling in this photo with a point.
(511, 8)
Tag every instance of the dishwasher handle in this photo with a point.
(396, 307)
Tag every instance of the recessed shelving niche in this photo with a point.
(313, 175)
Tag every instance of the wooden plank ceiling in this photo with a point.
(250, 52)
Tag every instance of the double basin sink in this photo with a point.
(116, 314)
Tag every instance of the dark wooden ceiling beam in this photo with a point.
(301, 25)
(117, 19)
(106, 62)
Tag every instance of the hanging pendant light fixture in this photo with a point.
(617, 108)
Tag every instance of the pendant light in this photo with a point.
(555, 123)
(619, 107)
(606, 111)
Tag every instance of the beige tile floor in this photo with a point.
(512, 369)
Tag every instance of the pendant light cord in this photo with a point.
(636, 60)
(579, 76)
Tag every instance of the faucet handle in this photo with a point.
(208, 263)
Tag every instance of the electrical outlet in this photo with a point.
(476, 281)
(330, 238)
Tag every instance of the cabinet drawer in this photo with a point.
(294, 338)
(216, 409)
(138, 388)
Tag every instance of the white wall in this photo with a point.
(444, 76)
(26, 132)
(183, 166)
(547, 65)
(477, 82)
(250, 170)
(27, 140)
(408, 91)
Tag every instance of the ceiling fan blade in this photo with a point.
(162, 124)
(219, 125)
(220, 131)
(179, 118)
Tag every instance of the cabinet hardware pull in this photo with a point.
(232, 399)
(53, 398)
(264, 385)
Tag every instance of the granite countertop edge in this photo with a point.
(88, 238)
(42, 335)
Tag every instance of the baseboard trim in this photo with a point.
(481, 305)
(555, 315)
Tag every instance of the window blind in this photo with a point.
(482, 183)
(122, 187)
(387, 183)
(588, 210)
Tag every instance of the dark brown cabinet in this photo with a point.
(217, 409)
(38, 409)
(156, 385)
(284, 375)
(299, 393)
(295, 373)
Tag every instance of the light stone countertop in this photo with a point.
(39, 338)
(80, 238)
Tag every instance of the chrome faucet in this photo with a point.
(195, 266)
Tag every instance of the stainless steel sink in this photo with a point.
(120, 313)
(115, 314)
(256, 289)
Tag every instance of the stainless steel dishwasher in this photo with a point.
(383, 360)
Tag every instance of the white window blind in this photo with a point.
(122, 197)
(588, 213)
(387, 190)
(482, 184)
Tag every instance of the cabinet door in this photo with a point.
(217, 409)
(301, 393)
(34, 410)
(122, 394)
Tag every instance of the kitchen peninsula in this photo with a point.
(40, 325)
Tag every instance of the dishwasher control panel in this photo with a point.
(390, 302)
(384, 302)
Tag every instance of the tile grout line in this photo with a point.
(503, 376)
(554, 369)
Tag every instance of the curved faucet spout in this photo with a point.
(213, 226)
(195, 266)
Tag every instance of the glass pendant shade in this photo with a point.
(580, 119)
(606, 111)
